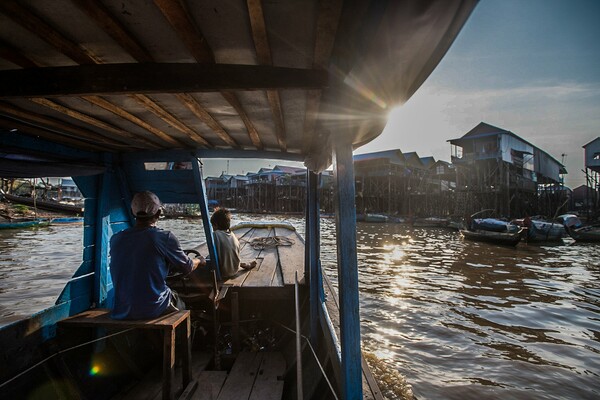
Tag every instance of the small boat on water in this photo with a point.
(19, 223)
(588, 233)
(45, 204)
(67, 221)
(376, 218)
(539, 231)
(430, 222)
(502, 238)
(578, 231)
(314, 92)
(493, 230)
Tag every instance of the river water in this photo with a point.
(453, 319)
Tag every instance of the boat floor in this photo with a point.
(253, 376)
(277, 250)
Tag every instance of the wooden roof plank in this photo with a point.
(11, 54)
(105, 104)
(42, 121)
(205, 117)
(252, 132)
(121, 133)
(170, 119)
(196, 43)
(263, 52)
(52, 135)
(327, 25)
(100, 14)
(41, 28)
(189, 33)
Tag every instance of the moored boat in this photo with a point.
(66, 221)
(19, 223)
(502, 238)
(588, 233)
(493, 230)
(538, 231)
(577, 230)
(203, 87)
(45, 204)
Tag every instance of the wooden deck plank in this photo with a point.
(267, 390)
(247, 254)
(266, 273)
(242, 376)
(209, 385)
(269, 381)
(291, 258)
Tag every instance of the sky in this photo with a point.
(531, 67)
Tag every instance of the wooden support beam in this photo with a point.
(52, 124)
(102, 16)
(189, 32)
(170, 119)
(126, 137)
(263, 52)
(11, 54)
(252, 132)
(100, 102)
(41, 28)
(345, 217)
(52, 135)
(199, 111)
(90, 80)
(327, 24)
(196, 43)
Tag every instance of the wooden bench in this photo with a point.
(168, 323)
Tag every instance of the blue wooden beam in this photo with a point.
(312, 251)
(105, 186)
(345, 215)
(203, 202)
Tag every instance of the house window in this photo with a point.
(439, 170)
(596, 156)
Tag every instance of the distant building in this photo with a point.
(394, 182)
(592, 176)
(497, 169)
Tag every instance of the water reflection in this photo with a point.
(460, 320)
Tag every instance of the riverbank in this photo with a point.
(10, 211)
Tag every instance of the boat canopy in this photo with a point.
(283, 79)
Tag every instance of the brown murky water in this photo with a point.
(456, 319)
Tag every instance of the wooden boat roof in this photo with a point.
(284, 78)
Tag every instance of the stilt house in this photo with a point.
(499, 170)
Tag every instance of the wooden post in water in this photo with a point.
(345, 218)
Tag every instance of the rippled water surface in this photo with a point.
(458, 319)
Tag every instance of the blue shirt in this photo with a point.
(140, 260)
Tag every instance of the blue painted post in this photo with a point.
(345, 214)
(312, 252)
(102, 237)
(203, 202)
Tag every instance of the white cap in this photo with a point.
(145, 204)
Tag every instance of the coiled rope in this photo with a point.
(267, 242)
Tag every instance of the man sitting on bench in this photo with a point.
(140, 260)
